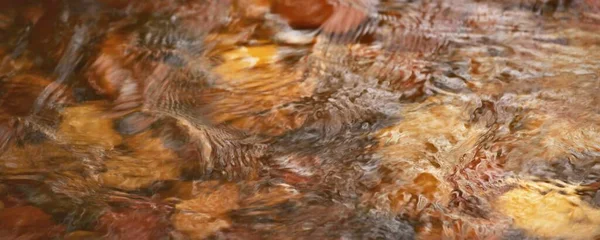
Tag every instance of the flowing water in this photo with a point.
(305, 119)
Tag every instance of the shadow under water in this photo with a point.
(299, 119)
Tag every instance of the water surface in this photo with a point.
(258, 119)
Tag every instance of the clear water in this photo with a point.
(258, 119)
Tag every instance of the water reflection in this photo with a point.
(316, 119)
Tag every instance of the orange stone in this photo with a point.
(427, 183)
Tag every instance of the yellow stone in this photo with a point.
(551, 215)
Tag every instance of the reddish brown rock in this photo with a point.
(11, 201)
(20, 94)
(32, 13)
(27, 222)
(334, 16)
(23, 95)
(134, 224)
(303, 13)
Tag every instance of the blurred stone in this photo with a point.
(273, 194)
(82, 235)
(143, 224)
(254, 9)
(205, 214)
(429, 142)
(146, 162)
(159, 58)
(264, 86)
(117, 3)
(311, 217)
(596, 199)
(420, 156)
(28, 222)
(547, 213)
(212, 198)
(86, 125)
(337, 17)
(32, 13)
(21, 92)
(10, 201)
(303, 14)
(348, 15)
(7, 18)
(547, 129)
(198, 226)
(37, 158)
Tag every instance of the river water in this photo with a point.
(299, 119)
